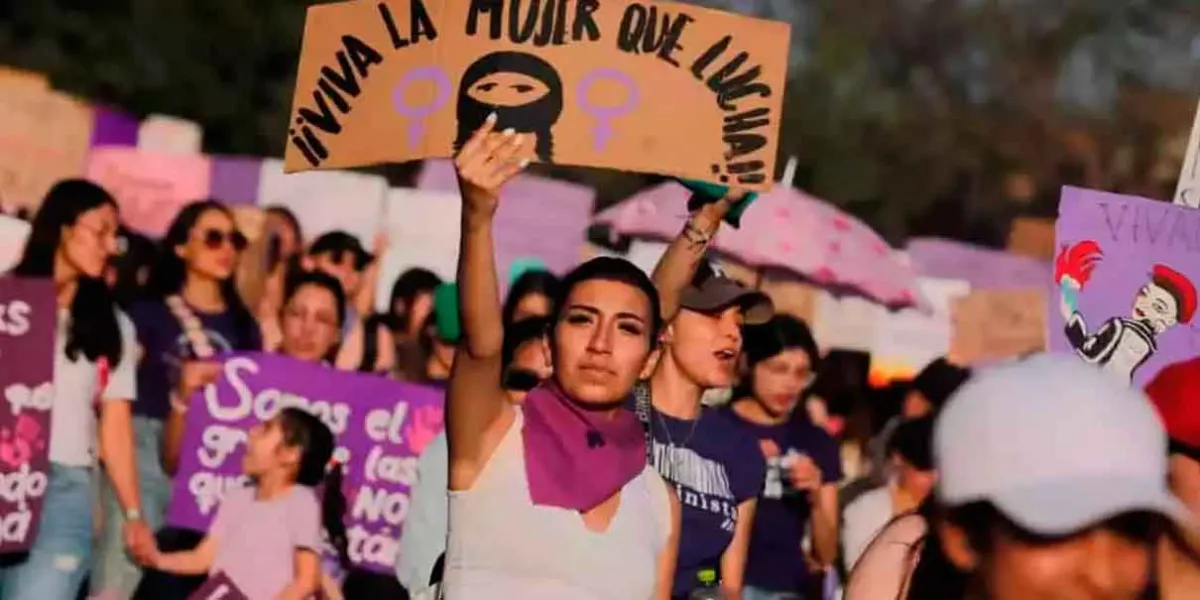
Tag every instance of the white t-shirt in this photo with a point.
(73, 418)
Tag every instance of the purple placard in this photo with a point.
(538, 217)
(983, 268)
(381, 427)
(27, 322)
(113, 128)
(219, 587)
(1123, 294)
(235, 179)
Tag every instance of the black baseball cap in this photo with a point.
(711, 291)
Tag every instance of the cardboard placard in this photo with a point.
(27, 322)
(1125, 283)
(219, 587)
(381, 427)
(1032, 237)
(995, 325)
(643, 86)
(44, 137)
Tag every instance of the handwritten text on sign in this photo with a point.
(645, 86)
(27, 322)
(381, 428)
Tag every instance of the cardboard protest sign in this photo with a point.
(996, 325)
(219, 587)
(170, 135)
(381, 428)
(28, 312)
(1032, 237)
(44, 137)
(150, 188)
(1125, 282)
(644, 86)
(905, 341)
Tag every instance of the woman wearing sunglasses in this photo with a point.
(803, 467)
(191, 311)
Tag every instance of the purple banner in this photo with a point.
(27, 321)
(219, 587)
(235, 179)
(983, 268)
(538, 218)
(381, 428)
(1124, 291)
(113, 128)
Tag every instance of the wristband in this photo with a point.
(177, 405)
(133, 514)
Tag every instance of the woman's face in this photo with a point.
(1112, 561)
(418, 313)
(531, 357)
(281, 228)
(779, 380)
(89, 243)
(310, 324)
(265, 449)
(340, 266)
(212, 247)
(531, 305)
(602, 341)
(706, 347)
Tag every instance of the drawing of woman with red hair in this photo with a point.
(1122, 344)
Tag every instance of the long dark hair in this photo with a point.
(303, 430)
(169, 272)
(408, 286)
(543, 283)
(94, 331)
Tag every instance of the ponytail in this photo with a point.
(333, 510)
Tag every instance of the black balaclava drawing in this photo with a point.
(537, 116)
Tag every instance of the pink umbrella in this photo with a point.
(784, 229)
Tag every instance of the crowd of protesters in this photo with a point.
(582, 455)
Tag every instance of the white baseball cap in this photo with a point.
(1054, 444)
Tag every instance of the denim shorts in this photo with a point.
(61, 554)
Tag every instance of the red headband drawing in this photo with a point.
(1077, 261)
(1179, 286)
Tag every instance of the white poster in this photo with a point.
(423, 230)
(907, 340)
(170, 135)
(326, 200)
(845, 322)
(13, 233)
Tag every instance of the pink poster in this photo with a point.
(150, 187)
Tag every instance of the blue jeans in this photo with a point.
(62, 551)
(116, 576)
(753, 593)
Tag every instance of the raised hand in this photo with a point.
(486, 162)
(195, 375)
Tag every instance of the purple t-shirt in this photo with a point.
(257, 541)
(776, 562)
(715, 465)
(165, 348)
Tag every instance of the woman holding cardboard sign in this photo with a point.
(552, 499)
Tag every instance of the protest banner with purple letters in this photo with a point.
(381, 427)
(27, 322)
(1125, 274)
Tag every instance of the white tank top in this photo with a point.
(502, 546)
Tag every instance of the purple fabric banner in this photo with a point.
(1124, 292)
(27, 323)
(381, 428)
(538, 217)
(983, 268)
(113, 128)
(235, 179)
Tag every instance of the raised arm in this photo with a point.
(678, 264)
(477, 410)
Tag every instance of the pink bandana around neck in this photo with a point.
(574, 458)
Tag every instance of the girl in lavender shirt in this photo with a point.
(267, 537)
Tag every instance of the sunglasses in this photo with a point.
(215, 238)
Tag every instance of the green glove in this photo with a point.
(704, 192)
(445, 310)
